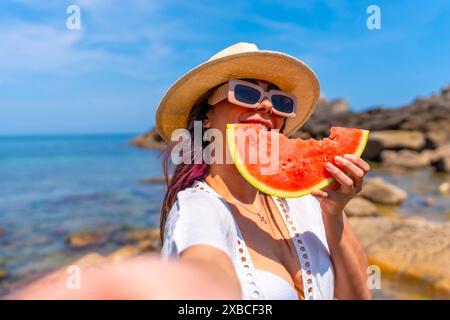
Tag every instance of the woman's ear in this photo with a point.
(206, 123)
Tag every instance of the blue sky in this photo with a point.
(110, 75)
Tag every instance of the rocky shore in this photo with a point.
(414, 252)
(414, 136)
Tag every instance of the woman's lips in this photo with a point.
(264, 122)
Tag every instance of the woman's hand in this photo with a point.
(335, 197)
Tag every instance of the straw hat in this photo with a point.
(241, 60)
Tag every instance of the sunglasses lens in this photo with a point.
(246, 94)
(283, 103)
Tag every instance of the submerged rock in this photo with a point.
(84, 239)
(360, 207)
(3, 274)
(143, 234)
(161, 179)
(415, 250)
(379, 191)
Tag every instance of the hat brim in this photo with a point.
(288, 73)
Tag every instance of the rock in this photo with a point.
(438, 137)
(77, 240)
(414, 250)
(149, 140)
(379, 191)
(3, 274)
(373, 150)
(333, 106)
(90, 259)
(123, 253)
(399, 139)
(442, 165)
(440, 158)
(429, 201)
(428, 117)
(406, 159)
(2, 232)
(300, 134)
(149, 245)
(154, 180)
(360, 207)
(144, 234)
(143, 240)
(444, 188)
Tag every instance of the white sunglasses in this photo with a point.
(250, 95)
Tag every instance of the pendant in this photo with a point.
(262, 218)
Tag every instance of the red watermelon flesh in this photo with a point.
(301, 166)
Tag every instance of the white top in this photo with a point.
(201, 216)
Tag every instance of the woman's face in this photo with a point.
(226, 112)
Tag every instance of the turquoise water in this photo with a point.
(51, 186)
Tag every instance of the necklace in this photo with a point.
(261, 217)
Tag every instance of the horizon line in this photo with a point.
(23, 135)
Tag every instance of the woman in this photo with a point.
(260, 246)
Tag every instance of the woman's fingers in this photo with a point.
(358, 161)
(339, 175)
(319, 193)
(356, 172)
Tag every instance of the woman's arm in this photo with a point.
(144, 277)
(215, 264)
(349, 259)
(348, 256)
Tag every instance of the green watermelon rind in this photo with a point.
(275, 192)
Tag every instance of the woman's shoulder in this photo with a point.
(197, 217)
(198, 203)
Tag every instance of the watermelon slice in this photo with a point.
(301, 163)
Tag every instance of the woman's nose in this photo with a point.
(265, 106)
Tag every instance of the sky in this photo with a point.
(109, 75)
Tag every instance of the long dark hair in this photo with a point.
(184, 174)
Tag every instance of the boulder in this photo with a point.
(334, 106)
(415, 250)
(444, 188)
(143, 234)
(407, 159)
(442, 165)
(84, 239)
(360, 207)
(373, 150)
(149, 140)
(438, 135)
(381, 192)
(399, 139)
(440, 158)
